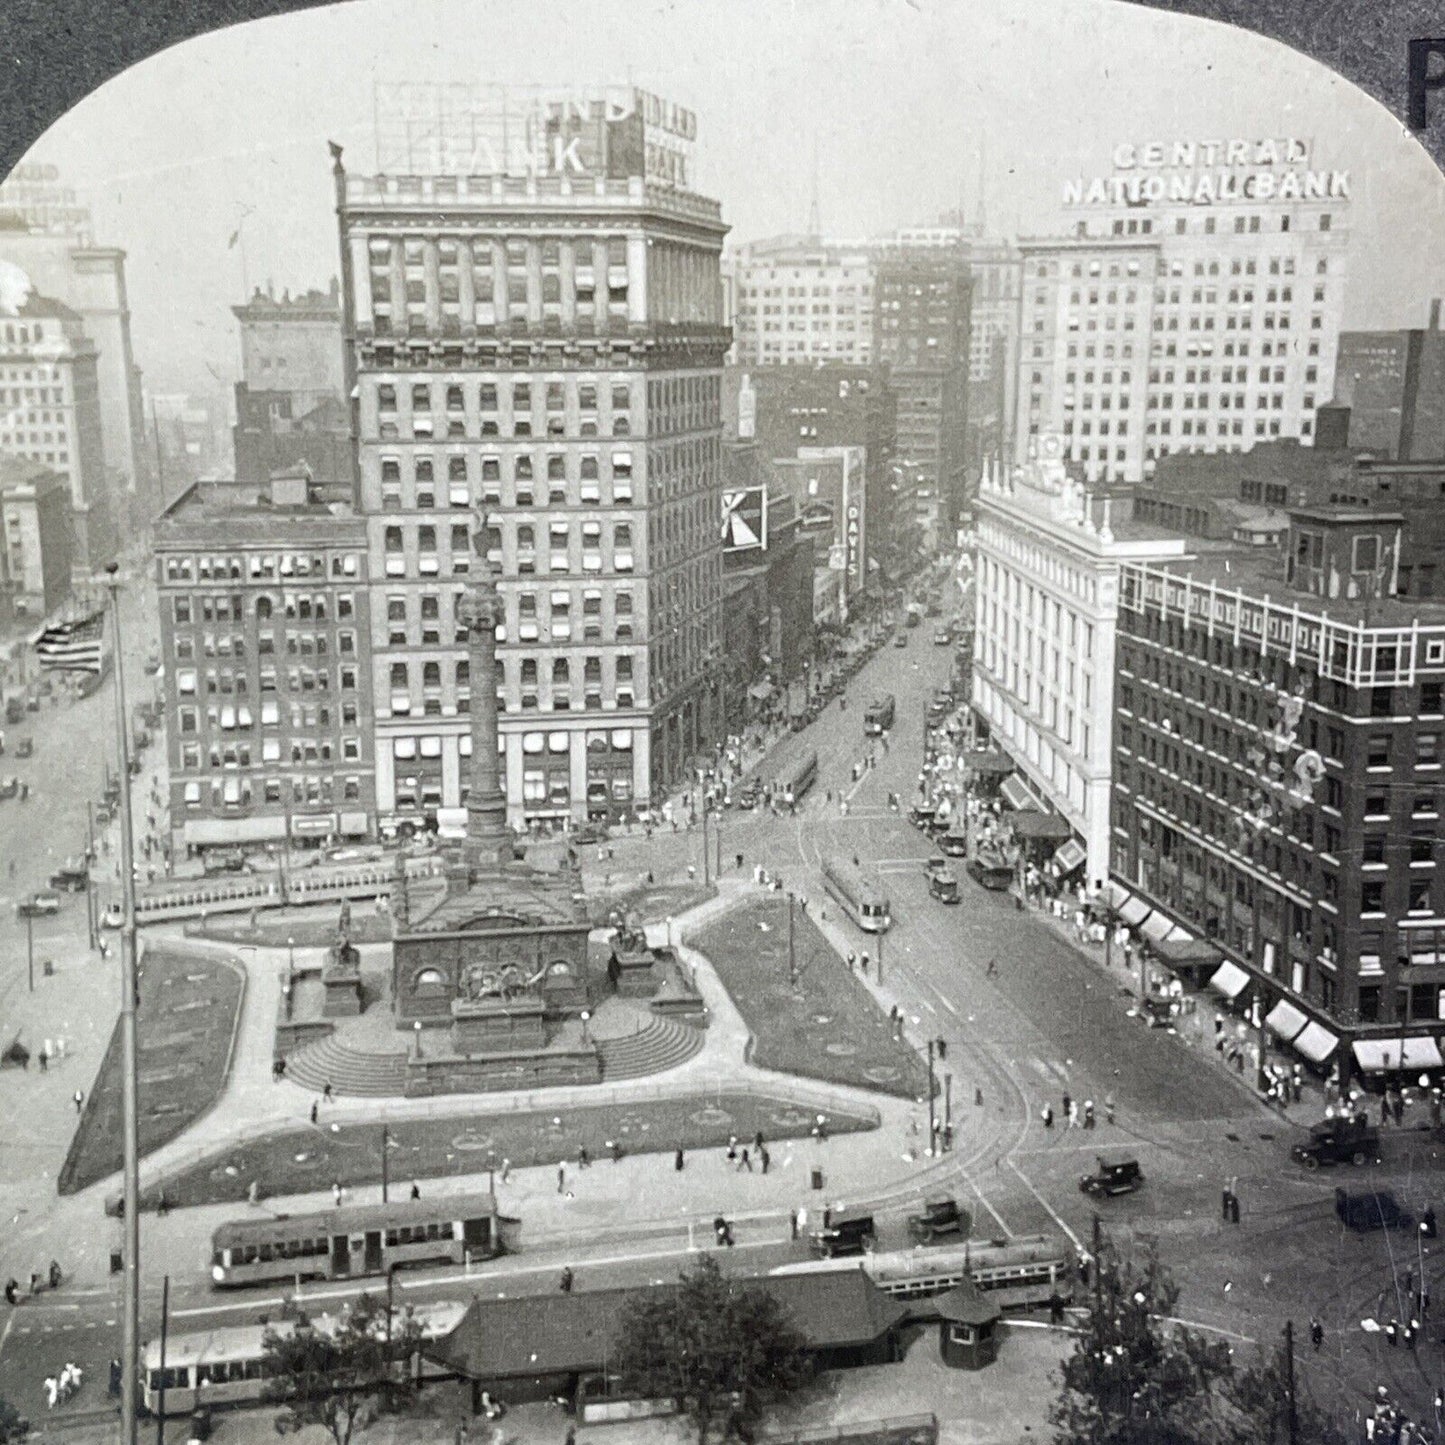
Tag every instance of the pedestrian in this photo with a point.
(584, 1159)
(768, 1159)
(1392, 1333)
(506, 1171)
(565, 1283)
(45, 1057)
(336, 1193)
(561, 1179)
(1073, 1115)
(733, 1149)
(1233, 1207)
(758, 1140)
(1317, 1334)
(78, 1098)
(1109, 1107)
(1224, 1198)
(415, 1190)
(992, 970)
(1397, 1107)
(1067, 1101)
(740, 862)
(113, 1388)
(253, 1192)
(313, 1110)
(1384, 1109)
(52, 1391)
(745, 1161)
(1047, 1114)
(326, 1091)
(1088, 1113)
(677, 1161)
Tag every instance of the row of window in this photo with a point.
(241, 792)
(259, 566)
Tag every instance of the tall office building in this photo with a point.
(64, 264)
(802, 299)
(538, 351)
(1194, 305)
(50, 412)
(1393, 383)
(291, 405)
(923, 302)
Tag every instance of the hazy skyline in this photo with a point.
(900, 95)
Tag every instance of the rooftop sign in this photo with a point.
(1205, 173)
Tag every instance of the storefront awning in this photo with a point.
(1113, 893)
(1070, 855)
(1316, 1043)
(1133, 910)
(1229, 979)
(1378, 1056)
(988, 764)
(1016, 794)
(1187, 953)
(1156, 927)
(1285, 1021)
(1030, 823)
(1178, 935)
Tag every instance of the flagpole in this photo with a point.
(130, 1110)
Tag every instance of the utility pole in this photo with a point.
(1098, 1325)
(1262, 1043)
(932, 1118)
(1292, 1415)
(130, 1111)
(880, 955)
(89, 881)
(792, 955)
(30, 948)
(705, 879)
(385, 1146)
(165, 1324)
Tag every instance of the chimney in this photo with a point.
(1435, 314)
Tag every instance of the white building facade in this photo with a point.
(1221, 265)
(1046, 597)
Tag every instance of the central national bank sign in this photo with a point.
(1207, 173)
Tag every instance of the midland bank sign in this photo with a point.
(1206, 173)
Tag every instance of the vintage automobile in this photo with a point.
(113, 917)
(38, 905)
(25, 747)
(1339, 1141)
(943, 887)
(844, 1231)
(900, 639)
(924, 816)
(1121, 1176)
(71, 879)
(9, 787)
(935, 867)
(1371, 1209)
(939, 1218)
(942, 636)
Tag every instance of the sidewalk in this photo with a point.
(604, 1198)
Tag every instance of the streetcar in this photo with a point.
(227, 1365)
(860, 894)
(879, 716)
(360, 1239)
(1019, 1273)
(795, 782)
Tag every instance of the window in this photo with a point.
(1427, 749)
(1377, 751)
(1372, 896)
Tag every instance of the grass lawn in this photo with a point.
(647, 902)
(187, 1018)
(828, 1027)
(303, 1160)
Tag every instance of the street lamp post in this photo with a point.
(30, 949)
(385, 1167)
(586, 1019)
(932, 1117)
(90, 919)
(290, 975)
(130, 1105)
(880, 954)
(792, 954)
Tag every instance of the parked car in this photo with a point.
(14, 709)
(70, 879)
(25, 747)
(1338, 1141)
(847, 1231)
(1122, 1176)
(153, 665)
(225, 860)
(900, 639)
(588, 835)
(9, 787)
(942, 637)
(38, 905)
(944, 887)
(940, 1218)
(113, 917)
(935, 867)
(747, 796)
(1371, 1209)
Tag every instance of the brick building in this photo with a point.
(265, 639)
(35, 538)
(1279, 736)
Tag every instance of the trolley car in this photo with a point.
(360, 1239)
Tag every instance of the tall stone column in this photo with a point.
(480, 610)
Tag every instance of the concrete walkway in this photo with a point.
(886, 1163)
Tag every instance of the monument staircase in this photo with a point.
(660, 1044)
(350, 1071)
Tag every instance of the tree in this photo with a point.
(1260, 1399)
(722, 1349)
(341, 1373)
(1134, 1379)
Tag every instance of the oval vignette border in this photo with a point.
(61, 50)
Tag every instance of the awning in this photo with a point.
(1016, 793)
(1133, 910)
(353, 823)
(1070, 855)
(1317, 1043)
(1187, 953)
(313, 825)
(988, 764)
(1156, 927)
(1285, 1021)
(1377, 1056)
(1113, 893)
(1178, 935)
(1030, 823)
(1229, 979)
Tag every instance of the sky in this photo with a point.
(903, 101)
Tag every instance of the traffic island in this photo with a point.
(811, 1016)
(190, 1007)
(311, 1159)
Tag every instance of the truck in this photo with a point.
(1339, 1141)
